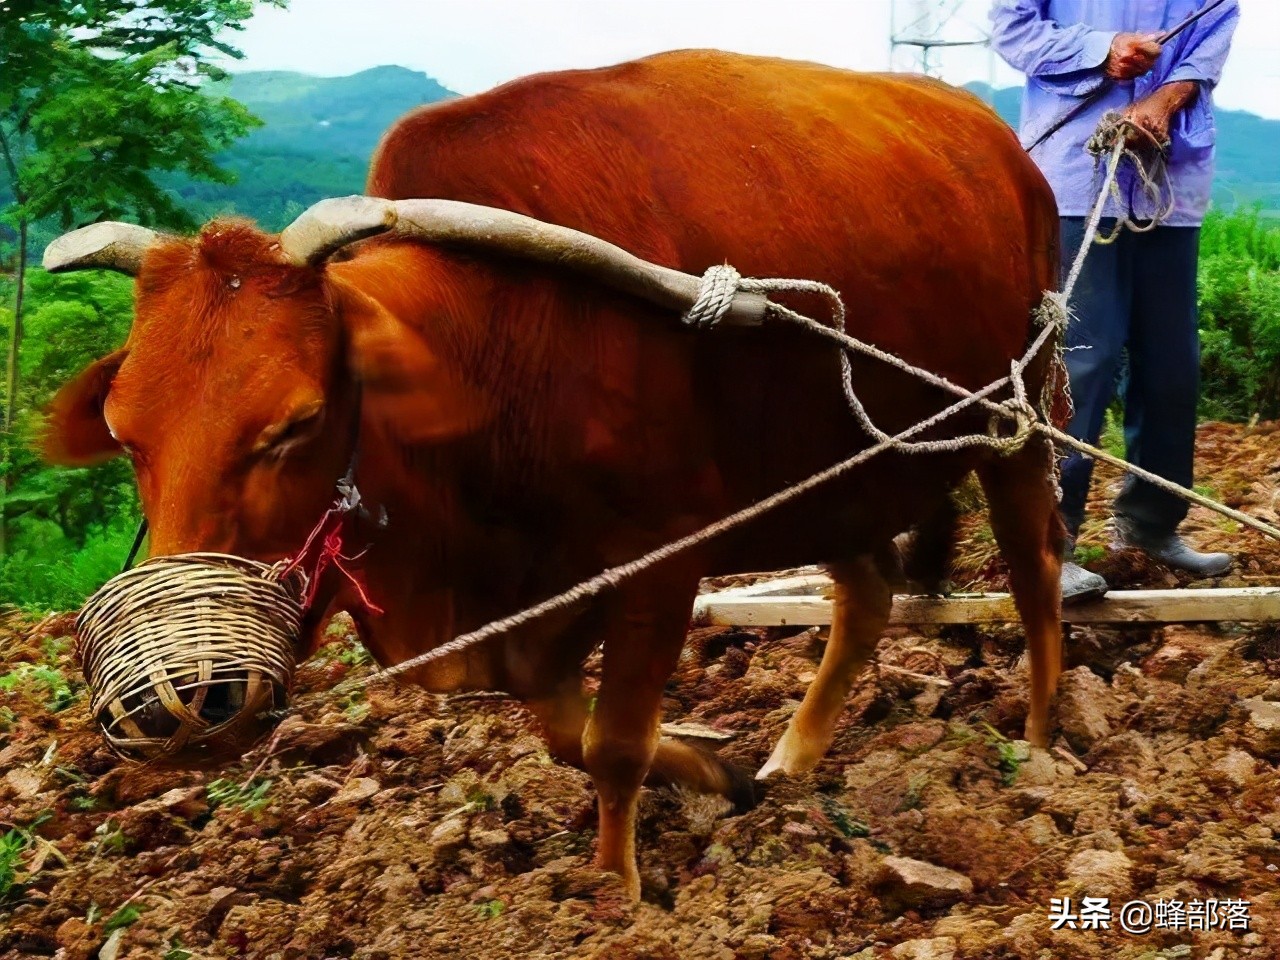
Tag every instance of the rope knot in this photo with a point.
(1053, 310)
(1112, 129)
(715, 296)
(1024, 418)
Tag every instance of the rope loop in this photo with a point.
(1024, 417)
(715, 297)
(1115, 139)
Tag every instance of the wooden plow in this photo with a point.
(802, 601)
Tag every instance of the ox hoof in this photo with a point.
(1037, 734)
(792, 756)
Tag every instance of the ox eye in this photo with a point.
(281, 439)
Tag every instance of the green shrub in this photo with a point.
(1239, 297)
(48, 570)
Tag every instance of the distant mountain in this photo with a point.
(317, 138)
(1248, 164)
(319, 133)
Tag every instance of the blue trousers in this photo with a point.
(1138, 295)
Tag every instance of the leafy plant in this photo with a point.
(55, 684)
(1010, 756)
(12, 845)
(354, 655)
(1239, 299)
(122, 918)
(248, 797)
(111, 838)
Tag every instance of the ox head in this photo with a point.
(229, 395)
(234, 394)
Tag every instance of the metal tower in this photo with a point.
(937, 37)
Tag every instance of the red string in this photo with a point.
(329, 532)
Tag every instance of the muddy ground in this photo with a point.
(401, 824)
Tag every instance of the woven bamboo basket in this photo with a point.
(187, 652)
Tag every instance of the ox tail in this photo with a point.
(679, 762)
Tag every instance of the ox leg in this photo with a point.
(1025, 520)
(863, 599)
(563, 716)
(621, 739)
(564, 719)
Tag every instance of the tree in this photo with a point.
(96, 98)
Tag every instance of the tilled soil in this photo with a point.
(403, 824)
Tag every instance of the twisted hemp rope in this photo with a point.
(1109, 145)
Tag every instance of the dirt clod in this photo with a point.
(1085, 705)
(914, 883)
(1262, 728)
(935, 948)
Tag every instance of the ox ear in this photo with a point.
(76, 432)
(408, 391)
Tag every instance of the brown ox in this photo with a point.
(525, 428)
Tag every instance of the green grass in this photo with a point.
(58, 690)
(1088, 554)
(1239, 299)
(1113, 433)
(841, 819)
(248, 797)
(1010, 756)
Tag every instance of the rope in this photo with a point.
(1114, 134)
(716, 294)
(715, 297)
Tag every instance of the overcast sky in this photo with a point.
(470, 45)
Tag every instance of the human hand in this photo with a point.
(1131, 55)
(1154, 112)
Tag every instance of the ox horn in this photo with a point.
(331, 224)
(104, 246)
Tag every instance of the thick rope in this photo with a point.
(715, 296)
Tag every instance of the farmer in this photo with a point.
(1139, 292)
